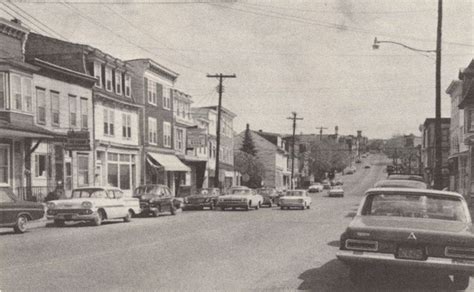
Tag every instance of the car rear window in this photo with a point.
(415, 205)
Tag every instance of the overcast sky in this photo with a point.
(313, 57)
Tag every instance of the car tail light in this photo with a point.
(356, 244)
(459, 252)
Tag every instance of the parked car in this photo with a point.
(336, 191)
(326, 184)
(358, 160)
(94, 204)
(338, 182)
(400, 183)
(412, 230)
(406, 177)
(269, 196)
(295, 199)
(204, 198)
(15, 213)
(156, 199)
(315, 188)
(367, 166)
(348, 170)
(240, 197)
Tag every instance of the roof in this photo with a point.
(214, 107)
(153, 65)
(415, 192)
(432, 120)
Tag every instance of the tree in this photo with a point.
(327, 156)
(247, 143)
(249, 166)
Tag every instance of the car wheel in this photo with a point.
(307, 207)
(128, 218)
(282, 208)
(303, 207)
(58, 223)
(257, 206)
(172, 210)
(270, 205)
(461, 282)
(21, 224)
(222, 208)
(100, 217)
(155, 213)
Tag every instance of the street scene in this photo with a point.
(236, 145)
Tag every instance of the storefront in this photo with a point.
(167, 169)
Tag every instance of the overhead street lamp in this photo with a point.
(437, 174)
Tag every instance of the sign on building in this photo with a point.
(196, 138)
(78, 141)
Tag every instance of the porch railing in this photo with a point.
(37, 193)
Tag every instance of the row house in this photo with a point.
(42, 105)
(271, 152)
(464, 89)
(206, 119)
(428, 149)
(115, 112)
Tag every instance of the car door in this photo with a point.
(121, 209)
(8, 211)
(110, 204)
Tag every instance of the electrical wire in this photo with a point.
(36, 28)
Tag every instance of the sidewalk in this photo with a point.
(39, 223)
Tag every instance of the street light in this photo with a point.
(438, 183)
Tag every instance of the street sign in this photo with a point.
(78, 141)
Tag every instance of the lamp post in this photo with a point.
(437, 174)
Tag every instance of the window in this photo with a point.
(109, 120)
(152, 131)
(108, 78)
(166, 98)
(166, 134)
(121, 171)
(84, 113)
(27, 94)
(16, 90)
(72, 111)
(83, 169)
(179, 143)
(151, 92)
(41, 105)
(2, 91)
(55, 108)
(118, 82)
(470, 123)
(98, 74)
(126, 126)
(40, 165)
(128, 85)
(4, 164)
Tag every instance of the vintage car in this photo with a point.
(410, 230)
(400, 183)
(336, 191)
(240, 197)
(269, 195)
(156, 199)
(16, 213)
(94, 204)
(326, 184)
(295, 199)
(204, 198)
(367, 166)
(315, 188)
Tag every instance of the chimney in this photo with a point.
(260, 131)
(336, 130)
(247, 127)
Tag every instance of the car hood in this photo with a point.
(233, 197)
(291, 198)
(399, 228)
(73, 203)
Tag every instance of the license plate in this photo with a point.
(410, 253)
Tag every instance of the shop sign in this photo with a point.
(196, 138)
(78, 141)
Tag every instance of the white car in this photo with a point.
(315, 188)
(240, 197)
(295, 199)
(336, 191)
(94, 204)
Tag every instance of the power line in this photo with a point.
(24, 24)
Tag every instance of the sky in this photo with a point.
(311, 57)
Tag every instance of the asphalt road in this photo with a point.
(268, 249)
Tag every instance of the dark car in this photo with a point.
(410, 230)
(156, 199)
(16, 213)
(269, 195)
(204, 198)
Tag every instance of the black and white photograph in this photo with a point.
(236, 145)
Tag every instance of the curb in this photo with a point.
(39, 223)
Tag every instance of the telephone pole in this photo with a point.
(438, 178)
(218, 130)
(321, 132)
(294, 118)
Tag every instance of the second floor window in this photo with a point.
(179, 139)
(470, 120)
(151, 92)
(72, 111)
(84, 113)
(109, 120)
(2, 91)
(126, 126)
(98, 74)
(108, 78)
(54, 108)
(166, 134)
(152, 131)
(118, 82)
(166, 98)
(41, 105)
(128, 85)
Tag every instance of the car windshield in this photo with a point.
(295, 193)
(4, 197)
(415, 205)
(145, 190)
(89, 193)
(265, 192)
(206, 192)
(240, 192)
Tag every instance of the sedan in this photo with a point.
(315, 188)
(240, 197)
(295, 199)
(411, 230)
(336, 191)
(206, 197)
(269, 195)
(15, 213)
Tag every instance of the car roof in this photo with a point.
(414, 192)
(400, 183)
(397, 176)
(96, 187)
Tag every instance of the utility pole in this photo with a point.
(294, 118)
(438, 179)
(321, 132)
(218, 130)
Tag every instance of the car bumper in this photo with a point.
(291, 204)
(197, 205)
(432, 263)
(232, 204)
(72, 217)
(336, 194)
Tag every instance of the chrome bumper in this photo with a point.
(72, 217)
(232, 204)
(432, 263)
(291, 204)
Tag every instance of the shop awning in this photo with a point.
(9, 130)
(168, 161)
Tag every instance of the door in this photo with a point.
(68, 183)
